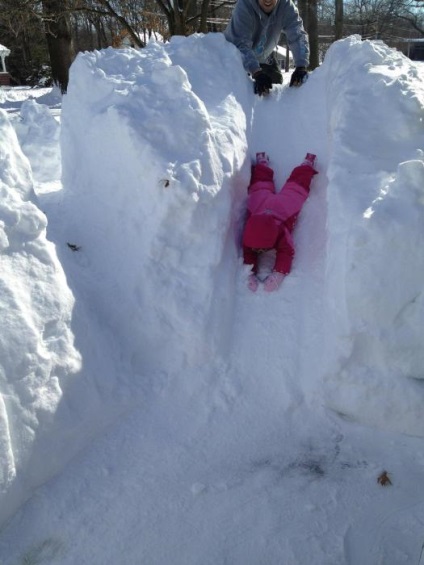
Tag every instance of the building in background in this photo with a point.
(4, 75)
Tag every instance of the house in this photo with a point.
(412, 48)
(284, 57)
(4, 75)
(416, 52)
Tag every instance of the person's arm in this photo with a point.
(239, 32)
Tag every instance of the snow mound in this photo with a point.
(375, 269)
(147, 172)
(37, 355)
(38, 133)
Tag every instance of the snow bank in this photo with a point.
(149, 178)
(375, 270)
(148, 171)
(38, 133)
(37, 355)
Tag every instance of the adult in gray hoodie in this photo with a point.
(255, 29)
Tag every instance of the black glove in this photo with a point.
(263, 83)
(299, 76)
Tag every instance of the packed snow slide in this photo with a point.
(287, 125)
(236, 420)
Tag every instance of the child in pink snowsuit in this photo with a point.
(271, 217)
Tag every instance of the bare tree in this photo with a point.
(338, 20)
(180, 15)
(40, 31)
(21, 29)
(312, 29)
(308, 10)
(399, 23)
(412, 12)
(120, 11)
(59, 42)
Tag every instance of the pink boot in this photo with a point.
(252, 283)
(273, 281)
(309, 159)
(262, 158)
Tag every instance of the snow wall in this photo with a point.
(152, 147)
(375, 271)
(37, 355)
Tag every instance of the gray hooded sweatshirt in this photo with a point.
(256, 34)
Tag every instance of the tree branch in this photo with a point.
(413, 23)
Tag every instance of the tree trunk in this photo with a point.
(312, 30)
(185, 16)
(203, 26)
(191, 16)
(338, 27)
(302, 6)
(59, 43)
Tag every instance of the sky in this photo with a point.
(152, 408)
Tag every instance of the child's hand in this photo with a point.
(273, 281)
(252, 283)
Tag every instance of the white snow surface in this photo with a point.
(154, 410)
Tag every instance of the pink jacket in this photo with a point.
(282, 207)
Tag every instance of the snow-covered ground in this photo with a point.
(152, 409)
